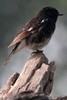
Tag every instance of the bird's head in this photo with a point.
(50, 13)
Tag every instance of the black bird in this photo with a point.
(37, 33)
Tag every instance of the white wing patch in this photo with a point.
(30, 28)
(42, 21)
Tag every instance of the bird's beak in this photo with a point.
(60, 14)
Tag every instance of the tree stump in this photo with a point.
(35, 82)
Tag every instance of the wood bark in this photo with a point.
(35, 81)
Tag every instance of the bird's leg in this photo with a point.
(37, 51)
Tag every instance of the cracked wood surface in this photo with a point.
(33, 83)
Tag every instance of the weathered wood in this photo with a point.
(59, 98)
(33, 83)
(5, 89)
(29, 96)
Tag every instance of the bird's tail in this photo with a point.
(8, 57)
(12, 52)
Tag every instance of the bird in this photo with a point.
(37, 33)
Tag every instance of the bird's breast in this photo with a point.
(38, 46)
(40, 38)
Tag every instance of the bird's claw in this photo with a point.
(37, 51)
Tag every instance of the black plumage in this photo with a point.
(37, 33)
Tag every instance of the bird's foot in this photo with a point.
(37, 51)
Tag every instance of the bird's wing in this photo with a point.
(33, 25)
(24, 33)
(19, 37)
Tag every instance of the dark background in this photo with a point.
(13, 16)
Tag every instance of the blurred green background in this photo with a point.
(13, 16)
